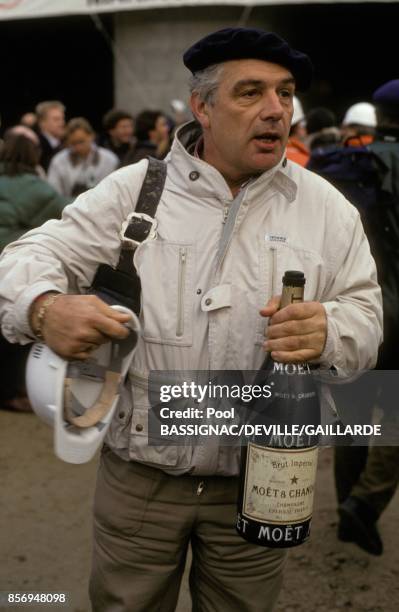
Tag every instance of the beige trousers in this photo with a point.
(144, 521)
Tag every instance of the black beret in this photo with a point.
(387, 94)
(249, 43)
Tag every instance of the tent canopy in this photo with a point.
(22, 9)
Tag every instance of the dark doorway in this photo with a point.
(62, 58)
(352, 47)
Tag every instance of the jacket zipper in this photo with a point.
(225, 214)
(273, 268)
(180, 291)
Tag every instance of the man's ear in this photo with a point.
(200, 110)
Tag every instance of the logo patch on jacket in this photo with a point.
(276, 238)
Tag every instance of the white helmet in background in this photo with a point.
(78, 398)
(298, 114)
(178, 106)
(361, 113)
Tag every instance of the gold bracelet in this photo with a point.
(49, 301)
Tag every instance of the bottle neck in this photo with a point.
(291, 295)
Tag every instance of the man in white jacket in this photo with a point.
(233, 216)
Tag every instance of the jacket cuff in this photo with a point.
(332, 355)
(16, 326)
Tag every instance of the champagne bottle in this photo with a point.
(278, 471)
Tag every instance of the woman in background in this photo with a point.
(26, 201)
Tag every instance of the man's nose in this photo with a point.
(272, 107)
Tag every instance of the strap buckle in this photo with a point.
(137, 228)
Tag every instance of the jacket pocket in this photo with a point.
(167, 275)
(118, 433)
(145, 445)
(274, 260)
(149, 449)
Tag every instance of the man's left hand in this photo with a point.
(296, 333)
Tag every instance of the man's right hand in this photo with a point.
(74, 325)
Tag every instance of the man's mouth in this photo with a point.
(267, 137)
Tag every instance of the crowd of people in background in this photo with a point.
(84, 158)
(360, 156)
(45, 163)
(73, 158)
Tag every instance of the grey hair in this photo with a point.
(205, 82)
(43, 108)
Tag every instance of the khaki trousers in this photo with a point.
(144, 521)
(370, 474)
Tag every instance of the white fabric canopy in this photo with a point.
(19, 9)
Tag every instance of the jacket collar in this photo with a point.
(203, 180)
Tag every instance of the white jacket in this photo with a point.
(196, 317)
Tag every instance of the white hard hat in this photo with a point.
(298, 114)
(361, 113)
(178, 106)
(78, 398)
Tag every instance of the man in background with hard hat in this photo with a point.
(367, 478)
(358, 125)
(366, 170)
(296, 150)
